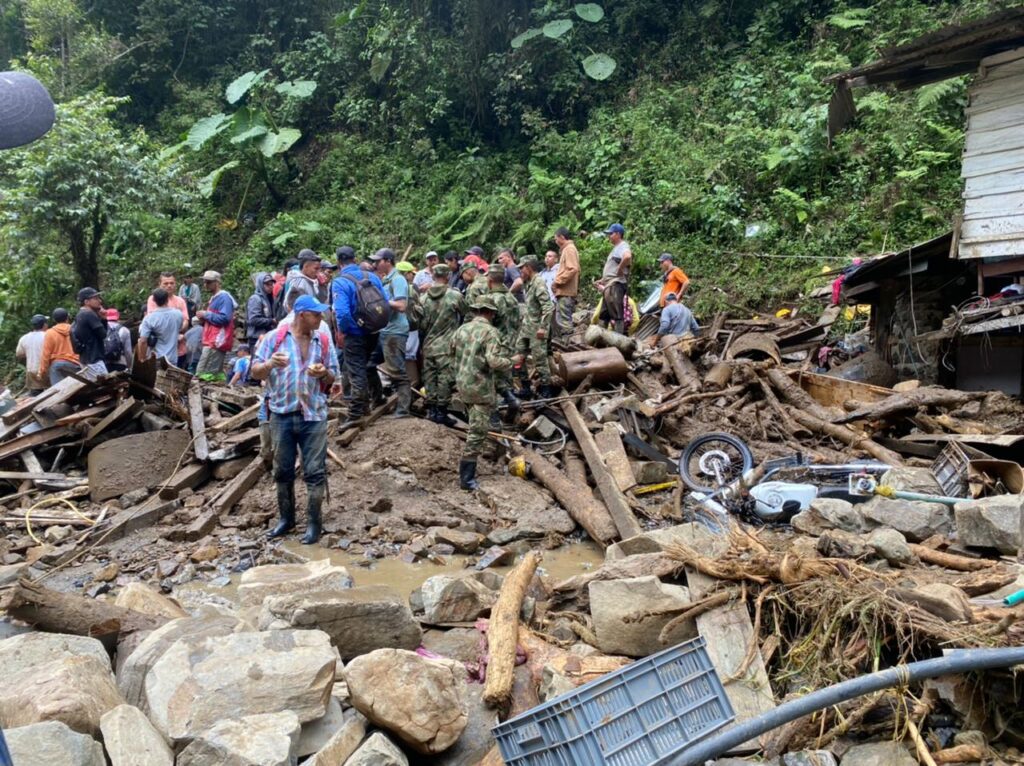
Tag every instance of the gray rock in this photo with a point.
(421, 701)
(462, 540)
(342, 744)
(891, 546)
(378, 750)
(655, 541)
(907, 479)
(827, 513)
(52, 743)
(30, 650)
(455, 598)
(553, 684)
(991, 522)
(809, 758)
(131, 740)
(358, 620)
(476, 739)
(916, 520)
(283, 579)
(270, 739)
(460, 644)
(200, 681)
(879, 754)
(316, 734)
(616, 607)
(744, 762)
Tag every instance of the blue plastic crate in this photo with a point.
(636, 716)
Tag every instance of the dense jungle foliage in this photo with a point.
(228, 134)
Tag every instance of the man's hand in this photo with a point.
(517, 360)
(339, 339)
(316, 371)
(653, 341)
(201, 314)
(279, 359)
(541, 333)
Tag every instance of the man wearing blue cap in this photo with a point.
(299, 363)
(615, 279)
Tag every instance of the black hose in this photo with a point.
(953, 663)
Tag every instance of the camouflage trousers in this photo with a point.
(479, 425)
(438, 379)
(503, 379)
(530, 345)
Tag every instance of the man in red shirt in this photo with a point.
(674, 279)
(174, 301)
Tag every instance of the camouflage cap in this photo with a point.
(485, 301)
(466, 266)
(441, 270)
(496, 271)
(531, 261)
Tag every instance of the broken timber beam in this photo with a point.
(846, 435)
(198, 422)
(683, 368)
(503, 631)
(613, 497)
(238, 486)
(349, 434)
(912, 400)
(243, 417)
(126, 410)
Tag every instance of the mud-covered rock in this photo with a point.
(622, 614)
(378, 750)
(269, 739)
(51, 743)
(131, 740)
(284, 579)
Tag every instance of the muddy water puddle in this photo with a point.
(402, 577)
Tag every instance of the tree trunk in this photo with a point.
(796, 396)
(606, 365)
(682, 366)
(846, 435)
(503, 631)
(912, 400)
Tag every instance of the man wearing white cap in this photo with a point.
(218, 320)
(424, 278)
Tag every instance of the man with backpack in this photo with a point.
(299, 363)
(89, 331)
(361, 311)
(395, 335)
(117, 346)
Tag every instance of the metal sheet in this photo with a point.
(995, 440)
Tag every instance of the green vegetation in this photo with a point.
(230, 133)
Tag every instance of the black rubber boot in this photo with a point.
(444, 419)
(549, 391)
(286, 508)
(314, 521)
(525, 390)
(495, 421)
(512, 405)
(467, 475)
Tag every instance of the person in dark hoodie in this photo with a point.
(259, 310)
(304, 281)
(90, 327)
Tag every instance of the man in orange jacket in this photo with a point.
(674, 279)
(59, 358)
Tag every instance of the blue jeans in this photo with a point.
(61, 370)
(292, 435)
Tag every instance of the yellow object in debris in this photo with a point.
(862, 310)
(783, 313)
(655, 488)
(517, 467)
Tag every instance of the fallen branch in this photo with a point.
(950, 561)
(846, 435)
(913, 400)
(503, 632)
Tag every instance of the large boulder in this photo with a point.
(908, 479)
(656, 540)
(455, 598)
(378, 750)
(826, 513)
(131, 740)
(30, 650)
(200, 681)
(476, 739)
(358, 620)
(51, 743)
(916, 520)
(342, 744)
(622, 614)
(268, 739)
(283, 579)
(891, 546)
(316, 734)
(422, 701)
(878, 754)
(991, 522)
(131, 674)
(141, 598)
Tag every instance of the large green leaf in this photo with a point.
(280, 239)
(523, 37)
(208, 183)
(280, 142)
(591, 12)
(241, 86)
(205, 129)
(599, 66)
(555, 29)
(379, 65)
(248, 124)
(297, 88)
(311, 226)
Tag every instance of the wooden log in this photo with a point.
(601, 337)
(189, 477)
(576, 470)
(503, 632)
(962, 754)
(574, 496)
(126, 410)
(683, 368)
(912, 400)
(846, 435)
(614, 499)
(35, 439)
(349, 434)
(54, 612)
(788, 423)
(235, 489)
(605, 365)
(792, 394)
(676, 402)
(609, 442)
(949, 560)
(242, 418)
(198, 422)
(718, 377)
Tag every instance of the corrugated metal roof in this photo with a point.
(993, 161)
(892, 265)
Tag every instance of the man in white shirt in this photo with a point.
(549, 272)
(424, 278)
(30, 351)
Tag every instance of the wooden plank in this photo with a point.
(832, 392)
(614, 499)
(235, 489)
(609, 442)
(198, 422)
(23, 411)
(139, 517)
(243, 417)
(35, 439)
(91, 412)
(32, 476)
(189, 477)
(126, 410)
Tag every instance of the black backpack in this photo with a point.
(372, 309)
(113, 349)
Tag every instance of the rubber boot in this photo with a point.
(495, 421)
(286, 508)
(512, 406)
(444, 419)
(314, 521)
(467, 475)
(548, 391)
(404, 401)
(525, 390)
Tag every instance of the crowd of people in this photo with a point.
(346, 326)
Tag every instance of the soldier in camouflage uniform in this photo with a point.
(506, 322)
(443, 308)
(479, 357)
(533, 334)
(476, 285)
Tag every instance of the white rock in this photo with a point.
(53, 744)
(269, 739)
(991, 522)
(282, 579)
(142, 598)
(878, 754)
(131, 740)
(316, 734)
(378, 750)
(614, 605)
(32, 649)
(344, 742)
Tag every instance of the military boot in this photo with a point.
(286, 508)
(404, 401)
(444, 419)
(549, 391)
(525, 390)
(467, 474)
(314, 522)
(511, 405)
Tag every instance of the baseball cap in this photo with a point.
(309, 303)
(451, 255)
(86, 293)
(268, 277)
(616, 228)
(466, 266)
(38, 320)
(405, 267)
(441, 270)
(671, 297)
(665, 257)
(345, 254)
(307, 255)
(429, 255)
(112, 315)
(60, 315)
(384, 254)
(26, 109)
(211, 276)
(475, 250)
